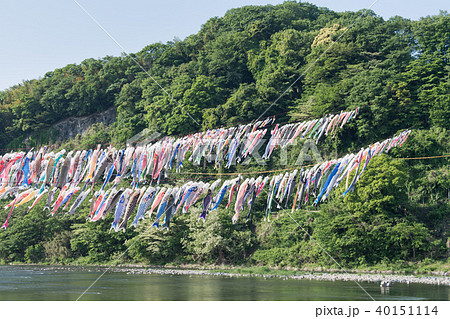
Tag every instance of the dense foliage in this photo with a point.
(230, 72)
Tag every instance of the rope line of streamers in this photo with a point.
(68, 179)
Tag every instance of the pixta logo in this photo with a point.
(308, 153)
(242, 154)
(144, 137)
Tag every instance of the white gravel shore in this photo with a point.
(405, 279)
(381, 278)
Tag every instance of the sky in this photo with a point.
(39, 36)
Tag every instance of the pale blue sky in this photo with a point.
(39, 36)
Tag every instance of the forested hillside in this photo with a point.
(232, 71)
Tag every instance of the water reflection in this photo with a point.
(38, 283)
(385, 290)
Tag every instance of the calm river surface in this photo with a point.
(68, 283)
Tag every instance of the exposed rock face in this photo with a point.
(70, 127)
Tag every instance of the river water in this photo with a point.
(28, 283)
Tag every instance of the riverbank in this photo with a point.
(358, 277)
(266, 273)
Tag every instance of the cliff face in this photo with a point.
(70, 127)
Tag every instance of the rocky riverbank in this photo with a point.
(380, 278)
(383, 278)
